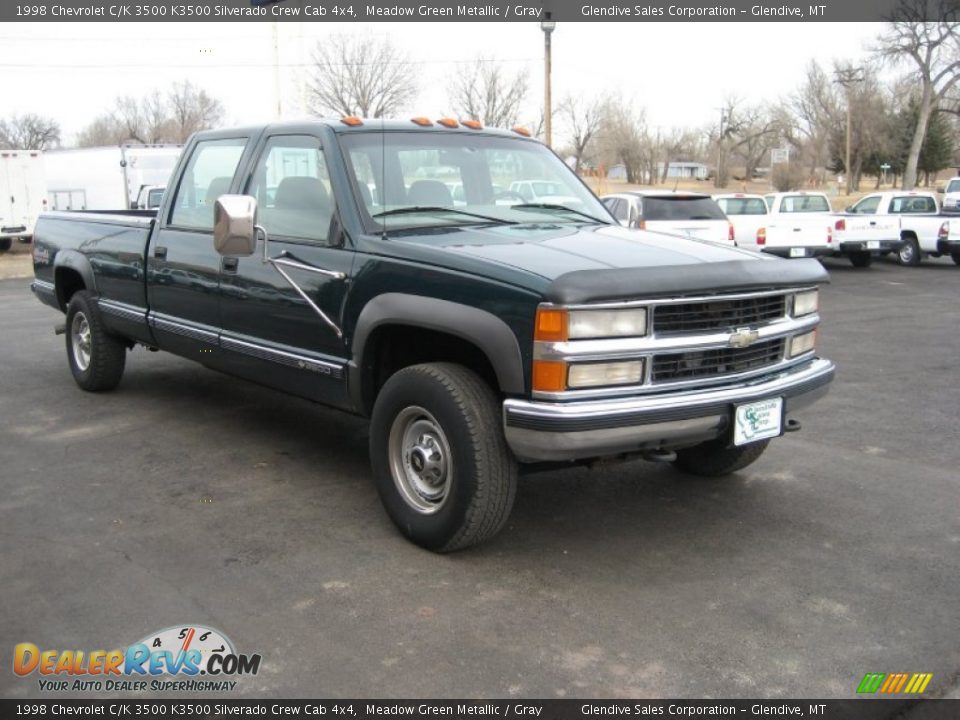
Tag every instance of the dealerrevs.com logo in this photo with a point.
(182, 658)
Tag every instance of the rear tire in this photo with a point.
(440, 461)
(96, 358)
(861, 259)
(716, 459)
(955, 257)
(909, 253)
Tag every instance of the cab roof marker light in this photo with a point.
(351, 120)
(422, 121)
(472, 124)
(521, 131)
(448, 122)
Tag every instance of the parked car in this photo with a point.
(756, 228)
(104, 178)
(149, 197)
(690, 214)
(476, 338)
(855, 237)
(920, 220)
(951, 195)
(22, 195)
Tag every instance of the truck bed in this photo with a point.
(115, 244)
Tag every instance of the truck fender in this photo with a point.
(79, 263)
(485, 330)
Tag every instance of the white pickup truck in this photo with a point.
(756, 228)
(948, 239)
(920, 220)
(856, 237)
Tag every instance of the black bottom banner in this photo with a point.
(521, 709)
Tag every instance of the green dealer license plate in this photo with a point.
(757, 421)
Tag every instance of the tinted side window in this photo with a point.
(912, 204)
(682, 208)
(207, 176)
(292, 188)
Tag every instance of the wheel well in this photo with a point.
(67, 282)
(905, 234)
(393, 347)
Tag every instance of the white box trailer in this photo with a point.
(106, 178)
(22, 194)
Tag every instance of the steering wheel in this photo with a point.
(508, 195)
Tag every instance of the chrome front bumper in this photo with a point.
(545, 431)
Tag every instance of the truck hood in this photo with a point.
(608, 262)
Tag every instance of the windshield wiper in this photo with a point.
(415, 209)
(555, 206)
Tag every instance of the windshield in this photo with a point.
(804, 204)
(433, 179)
(743, 206)
(954, 186)
(681, 208)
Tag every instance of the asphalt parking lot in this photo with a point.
(190, 497)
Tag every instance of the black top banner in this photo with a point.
(353, 709)
(478, 10)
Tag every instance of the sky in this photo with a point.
(679, 73)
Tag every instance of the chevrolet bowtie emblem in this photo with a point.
(744, 337)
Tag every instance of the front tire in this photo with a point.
(96, 358)
(909, 253)
(955, 257)
(861, 259)
(440, 461)
(716, 459)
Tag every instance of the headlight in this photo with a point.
(584, 375)
(802, 344)
(560, 324)
(805, 303)
(608, 323)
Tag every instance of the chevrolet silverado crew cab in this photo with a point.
(693, 215)
(478, 338)
(789, 236)
(920, 221)
(855, 237)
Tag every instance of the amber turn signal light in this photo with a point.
(551, 325)
(549, 376)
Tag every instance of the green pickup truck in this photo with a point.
(482, 332)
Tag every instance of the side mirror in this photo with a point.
(941, 190)
(848, 209)
(234, 225)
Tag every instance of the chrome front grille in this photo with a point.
(690, 365)
(717, 315)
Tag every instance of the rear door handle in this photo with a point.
(230, 264)
(160, 253)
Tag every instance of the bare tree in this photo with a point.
(489, 93)
(191, 110)
(807, 119)
(155, 118)
(622, 139)
(29, 132)
(583, 117)
(933, 48)
(360, 76)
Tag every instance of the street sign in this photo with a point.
(779, 155)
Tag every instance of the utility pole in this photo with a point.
(548, 26)
(276, 67)
(723, 118)
(847, 77)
